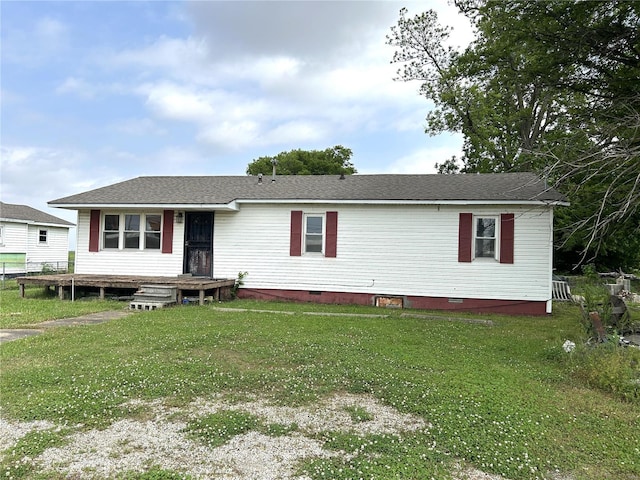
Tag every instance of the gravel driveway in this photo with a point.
(157, 438)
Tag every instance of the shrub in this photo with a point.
(609, 367)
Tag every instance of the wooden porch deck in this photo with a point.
(133, 282)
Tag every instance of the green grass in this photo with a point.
(40, 305)
(503, 398)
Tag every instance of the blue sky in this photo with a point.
(93, 93)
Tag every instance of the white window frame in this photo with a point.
(495, 238)
(146, 232)
(322, 234)
(1, 235)
(46, 236)
(126, 232)
(142, 231)
(103, 230)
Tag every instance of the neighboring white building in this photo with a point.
(458, 242)
(32, 240)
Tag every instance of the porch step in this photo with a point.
(158, 290)
(151, 297)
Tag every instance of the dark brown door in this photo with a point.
(198, 249)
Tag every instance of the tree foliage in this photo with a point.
(331, 161)
(551, 87)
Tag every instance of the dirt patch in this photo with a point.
(158, 438)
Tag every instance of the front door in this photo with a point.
(198, 244)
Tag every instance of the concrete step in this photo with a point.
(148, 305)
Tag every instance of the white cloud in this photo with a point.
(43, 173)
(262, 73)
(300, 132)
(183, 58)
(51, 31)
(77, 86)
(138, 127)
(231, 135)
(424, 159)
(179, 103)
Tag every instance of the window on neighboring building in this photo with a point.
(1, 234)
(111, 231)
(152, 232)
(485, 237)
(42, 235)
(313, 233)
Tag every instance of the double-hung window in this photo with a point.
(313, 233)
(111, 231)
(42, 236)
(485, 237)
(132, 231)
(152, 232)
(127, 230)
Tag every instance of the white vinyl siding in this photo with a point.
(25, 239)
(382, 249)
(392, 250)
(14, 237)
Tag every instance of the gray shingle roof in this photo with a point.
(210, 190)
(29, 214)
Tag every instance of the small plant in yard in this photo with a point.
(358, 414)
(238, 284)
(279, 429)
(608, 367)
(596, 299)
(154, 474)
(220, 427)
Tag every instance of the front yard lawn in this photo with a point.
(501, 398)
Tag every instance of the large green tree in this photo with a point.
(331, 161)
(551, 87)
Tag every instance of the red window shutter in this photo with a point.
(465, 237)
(94, 231)
(167, 232)
(506, 237)
(295, 244)
(332, 234)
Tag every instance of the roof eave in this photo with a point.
(232, 206)
(406, 202)
(35, 222)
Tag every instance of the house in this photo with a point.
(32, 240)
(457, 242)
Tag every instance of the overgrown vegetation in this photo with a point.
(504, 398)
